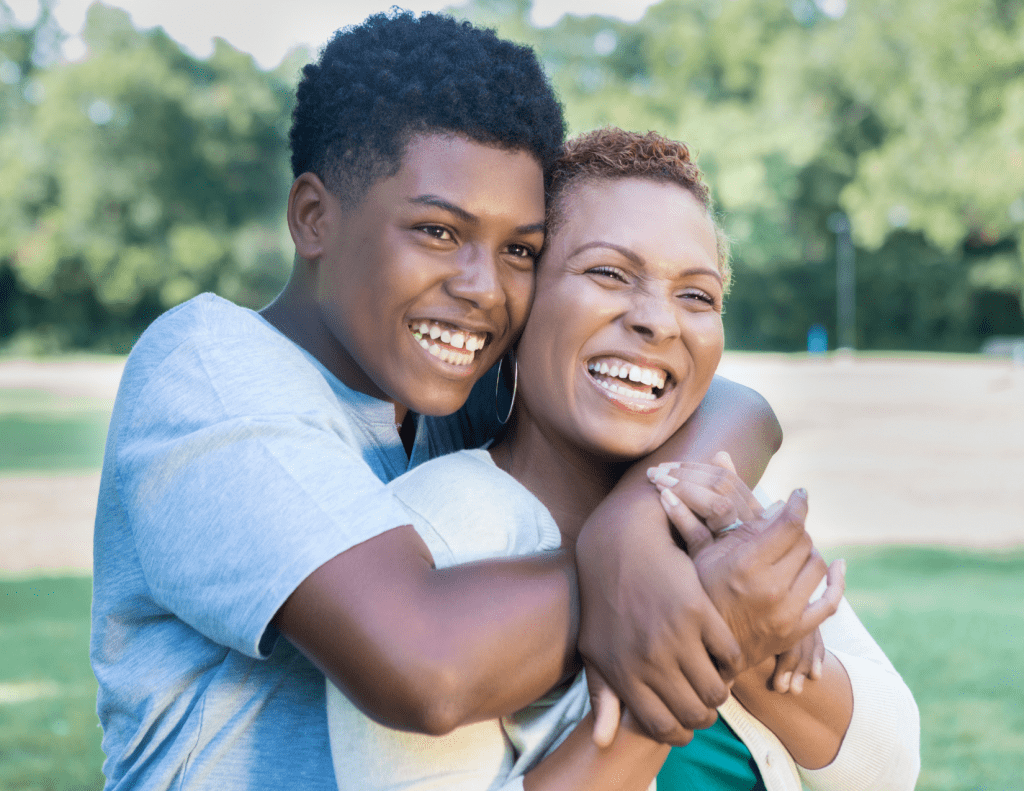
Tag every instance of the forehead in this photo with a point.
(655, 220)
(478, 178)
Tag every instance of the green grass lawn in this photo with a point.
(951, 622)
(41, 431)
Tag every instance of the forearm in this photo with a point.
(810, 725)
(424, 649)
(628, 764)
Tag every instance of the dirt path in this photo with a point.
(891, 450)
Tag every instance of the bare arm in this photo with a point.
(812, 724)
(429, 649)
(646, 624)
(425, 649)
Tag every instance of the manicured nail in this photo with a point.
(665, 480)
(816, 668)
(801, 493)
(842, 567)
(784, 682)
(669, 497)
(652, 473)
(798, 684)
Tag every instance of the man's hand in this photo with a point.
(648, 626)
(761, 576)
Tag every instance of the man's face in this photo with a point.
(426, 282)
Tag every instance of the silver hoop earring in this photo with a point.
(515, 385)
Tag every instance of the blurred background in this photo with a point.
(867, 157)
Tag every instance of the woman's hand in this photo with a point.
(761, 574)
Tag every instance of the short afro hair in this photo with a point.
(396, 75)
(610, 154)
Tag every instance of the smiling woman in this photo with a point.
(620, 347)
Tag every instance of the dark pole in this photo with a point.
(846, 305)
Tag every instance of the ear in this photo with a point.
(309, 204)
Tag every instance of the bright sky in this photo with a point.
(270, 30)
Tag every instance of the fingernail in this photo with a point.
(784, 682)
(801, 493)
(842, 567)
(798, 684)
(670, 497)
(665, 480)
(816, 668)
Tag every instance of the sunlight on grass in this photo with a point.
(41, 431)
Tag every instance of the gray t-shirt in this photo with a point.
(235, 466)
(465, 508)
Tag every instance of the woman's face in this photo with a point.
(626, 327)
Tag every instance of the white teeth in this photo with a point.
(458, 340)
(626, 391)
(604, 368)
(651, 377)
(472, 344)
(424, 328)
(614, 370)
(634, 374)
(435, 332)
(446, 337)
(424, 344)
(646, 377)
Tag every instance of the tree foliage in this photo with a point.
(139, 175)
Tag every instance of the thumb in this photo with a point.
(606, 706)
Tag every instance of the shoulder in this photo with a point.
(477, 510)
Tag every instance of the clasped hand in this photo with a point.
(758, 578)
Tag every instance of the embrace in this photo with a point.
(326, 558)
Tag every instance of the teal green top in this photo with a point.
(716, 760)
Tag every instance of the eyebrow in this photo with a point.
(445, 205)
(627, 253)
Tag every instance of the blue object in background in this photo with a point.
(817, 339)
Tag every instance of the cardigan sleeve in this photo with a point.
(881, 749)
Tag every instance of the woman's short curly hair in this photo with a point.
(395, 75)
(609, 154)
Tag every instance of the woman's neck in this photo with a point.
(568, 481)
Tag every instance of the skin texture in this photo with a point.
(622, 282)
(441, 240)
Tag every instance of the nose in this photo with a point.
(477, 279)
(653, 316)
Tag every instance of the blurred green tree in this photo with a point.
(138, 177)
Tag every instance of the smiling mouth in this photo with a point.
(448, 342)
(628, 383)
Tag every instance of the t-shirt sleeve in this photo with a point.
(232, 495)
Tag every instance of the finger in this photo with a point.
(694, 533)
(786, 529)
(605, 704)
(722, 648)
(818, 656)
(737, 501)
(658, 722)
(662, 469)
(818, 611)
(803, 667)
(785, 664)
(723, 459)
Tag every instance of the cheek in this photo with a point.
(519, 291)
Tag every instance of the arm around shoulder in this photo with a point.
(428, 650)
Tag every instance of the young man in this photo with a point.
(242, 493)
